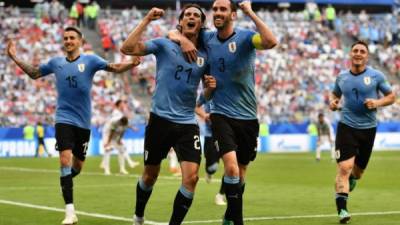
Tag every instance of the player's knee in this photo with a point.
(149, 179)
(65, 161)
(232, 170)
(191, 181)
(345, 170)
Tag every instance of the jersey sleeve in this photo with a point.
(47, 68)
(383, 84)
(253, 38)
(153, 46)
(99, 63)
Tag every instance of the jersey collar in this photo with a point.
(70, 61)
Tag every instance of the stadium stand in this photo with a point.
(293, 80)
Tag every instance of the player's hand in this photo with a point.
(371, 103)
(189, 50)
(210, 82)
(154, 14)
(136, 60)
(334, 105)
(11, 50)
(245, 6)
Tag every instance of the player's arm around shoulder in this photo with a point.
(265, 39)
(32, 71)
(132, 45)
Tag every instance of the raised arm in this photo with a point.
(32, 71)
(268, 39)
(132, 45)
(124, 66)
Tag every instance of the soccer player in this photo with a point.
(113, 132)
(120, 110)
(235, 127)
(210, 151)
(359, 87)
(172, 121)
(74, 74)
(325, 134)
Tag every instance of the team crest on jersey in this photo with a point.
(367, 80)
(200, 61)
(81, 67)
(232, 47)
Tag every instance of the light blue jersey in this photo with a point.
(355, 88)
(74, 83)
(232, 64)
(206, 129)
(175, 94)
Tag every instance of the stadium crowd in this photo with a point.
(293, 80)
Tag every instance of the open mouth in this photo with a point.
(191, 24)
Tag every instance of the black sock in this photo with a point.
(243, 185)
(341, 201)
(142, 197)
(67, 188)
(222, 188)
(182, 204)
(233, 211)
(74, 172)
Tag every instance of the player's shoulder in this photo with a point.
(374, 72)
(343, 73)
(244, 31)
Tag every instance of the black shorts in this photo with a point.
(210, 152)
(40, 141)
(72, 137)
(161, 135)
(354, 142)
(235, 135)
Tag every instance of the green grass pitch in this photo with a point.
(280, 189)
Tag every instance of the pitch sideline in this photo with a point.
(118, 218)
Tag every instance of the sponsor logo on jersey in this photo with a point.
(81, 67)
(367, 80)
(200, 61)
(232, 46)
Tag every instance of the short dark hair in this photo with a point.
(118, 102)
(191, 5)
(75, 29)
(124, 120)
(360, 42)
(234, 5)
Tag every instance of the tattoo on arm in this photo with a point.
(32, 71)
